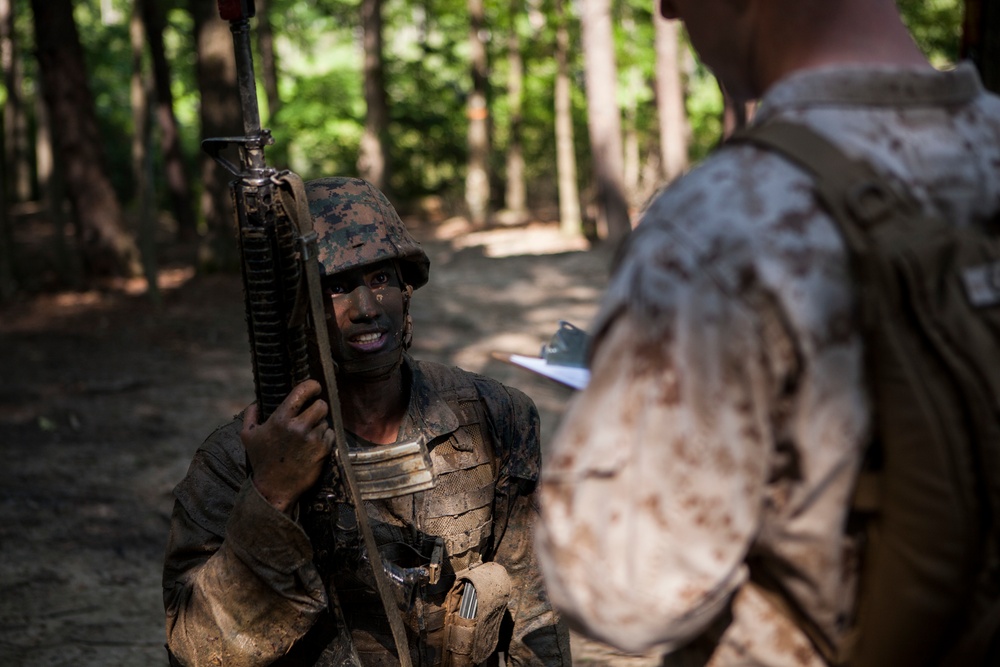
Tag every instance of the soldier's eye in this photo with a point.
(333, 289)
(380, 278)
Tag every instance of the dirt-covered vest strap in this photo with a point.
(459, 509)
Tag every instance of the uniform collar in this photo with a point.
(871, 86)
(428, 414)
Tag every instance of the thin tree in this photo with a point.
(220, 117)
(52, 189)
(477, 179)
(981, 40)
(735, 115)
(8, 284)
(106, 247)
(268, 57)
(175, 170)
(15, 119)
(670, 109)
(142, 161)
(634, 83)
(373, 160)
(570, 220)
(515, 197)
(604, 120)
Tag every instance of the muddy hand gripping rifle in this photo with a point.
(281, 281)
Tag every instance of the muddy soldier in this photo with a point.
(265, 564)
(695, 496)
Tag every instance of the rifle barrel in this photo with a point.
(248, 94)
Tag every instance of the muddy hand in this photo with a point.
(287, 452)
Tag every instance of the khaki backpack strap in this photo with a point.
(935, 392)
(857, 196)
(296, 204)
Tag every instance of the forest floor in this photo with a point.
(104, 398)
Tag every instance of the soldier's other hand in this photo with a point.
(287, 452)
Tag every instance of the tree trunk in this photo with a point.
(142, 161)
(8, 285)
(570, 220)
(735, 115)
(178, 180)
(604, 120)
(515, 197)
(631, 151)
(220, 117)
(670, 99)
(17, 154)
(629, 112)
(268, 58)
(51, 185)
(477, 179)
(106, 247)
(981, 40)
(373, 161)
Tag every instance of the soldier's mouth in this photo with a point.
(368, 341)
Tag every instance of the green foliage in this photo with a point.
(704, 107)
(427, 82)
(427, 79)
(936, 26)
(322, 124)
(107, 51)
(181, 55)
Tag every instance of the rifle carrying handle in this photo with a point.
(236, 10)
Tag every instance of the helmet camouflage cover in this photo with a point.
(357, 225)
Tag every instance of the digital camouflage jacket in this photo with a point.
(246, 585)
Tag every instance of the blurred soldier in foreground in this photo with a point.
(695, 497)
(265, 564)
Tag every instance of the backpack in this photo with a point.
(928, 496)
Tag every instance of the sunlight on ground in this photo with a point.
(542, 240)
(535, 238)
(40, 311)
(167, 279)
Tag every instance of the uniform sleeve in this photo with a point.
(538, 637)
(239, 586)
(652, 493)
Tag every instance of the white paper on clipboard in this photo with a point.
(571, 376)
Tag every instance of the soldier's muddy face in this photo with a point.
(366, 312)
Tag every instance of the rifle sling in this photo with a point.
(298, 209)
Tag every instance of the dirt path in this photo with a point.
(103, 400)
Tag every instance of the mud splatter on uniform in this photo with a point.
(721, 434)
(243, 582)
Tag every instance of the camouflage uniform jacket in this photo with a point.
(244, 584)
(722, 429)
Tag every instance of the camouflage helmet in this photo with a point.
(357, 225)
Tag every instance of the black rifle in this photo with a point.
(284, 301)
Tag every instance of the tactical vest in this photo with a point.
(457, 513)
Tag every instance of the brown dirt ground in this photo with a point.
(104, 398)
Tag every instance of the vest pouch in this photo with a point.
(474, 609)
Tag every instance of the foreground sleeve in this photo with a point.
(239, 586)
(539, 638)
(652, 492)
